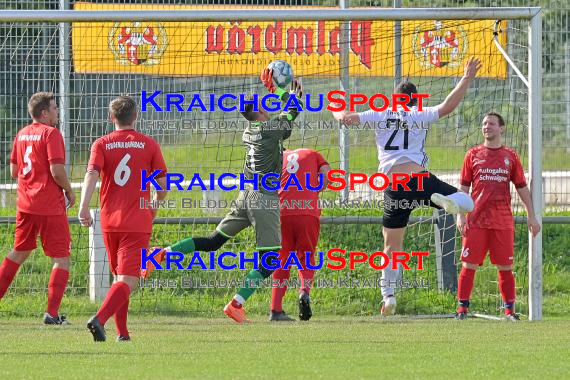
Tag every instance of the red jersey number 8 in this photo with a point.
(123, 172)
(292, 163)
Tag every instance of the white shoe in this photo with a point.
(388, 306)
(446, 203)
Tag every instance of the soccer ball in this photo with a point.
(282, 73)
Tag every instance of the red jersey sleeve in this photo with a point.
(158, 161)
(467, 170)
(14, 155)
(55, 147)
(517, 174)
(321, 161)
(97, 158)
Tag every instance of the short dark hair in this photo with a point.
(124, 108)
(499, 117)
(39, 102)
(408, 88)
(248, 111)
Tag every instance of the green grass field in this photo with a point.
(324, 348)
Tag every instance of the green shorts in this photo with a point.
(252, 210)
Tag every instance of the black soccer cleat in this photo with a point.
(512, 317)
(96, 329)
(57, 320)
(461, 316)
(280, 316)
(122, 338)
(305, 312)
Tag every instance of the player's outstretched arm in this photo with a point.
(456, 95)
(87, 190)
(532, 222)
(345, 116)
(60, 177)
(292, 112)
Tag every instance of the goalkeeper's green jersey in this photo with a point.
(264, 146)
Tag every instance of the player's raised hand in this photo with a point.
(533, 225)
(297, 88)
(85, 217)
(471, 67)
(267, 80)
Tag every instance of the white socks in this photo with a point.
(389, 280)
(239, 299)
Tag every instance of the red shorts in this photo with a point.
(500, 244)
(124, 251)
(53, 229)
(299, 234)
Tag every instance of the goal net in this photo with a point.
(95, 60)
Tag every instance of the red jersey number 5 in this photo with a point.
(27, 161)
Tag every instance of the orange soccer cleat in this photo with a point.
(160, 256)
(236, 313)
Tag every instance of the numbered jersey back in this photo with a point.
(120, 158)
(400, 135)
(36, 146)
(300, 163)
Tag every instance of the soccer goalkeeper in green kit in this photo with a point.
(263, 142)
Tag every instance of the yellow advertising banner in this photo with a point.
(226, 48)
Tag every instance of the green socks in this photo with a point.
(185, 246)
(251, 278)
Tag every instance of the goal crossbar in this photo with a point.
(328, 14)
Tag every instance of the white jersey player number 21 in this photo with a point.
(400, 126)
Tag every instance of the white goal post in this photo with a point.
(532, 14)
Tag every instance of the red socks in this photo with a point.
(306, 276)
(8, 271)
(277, 293)
(465, 284)
(56, 289)
(507, 288)
(121, 319)
(118, 295)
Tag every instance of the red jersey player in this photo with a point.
(300, 227)
(119, 158)
(488, 169)
(38, 162)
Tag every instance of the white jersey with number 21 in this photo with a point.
(400, 135)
